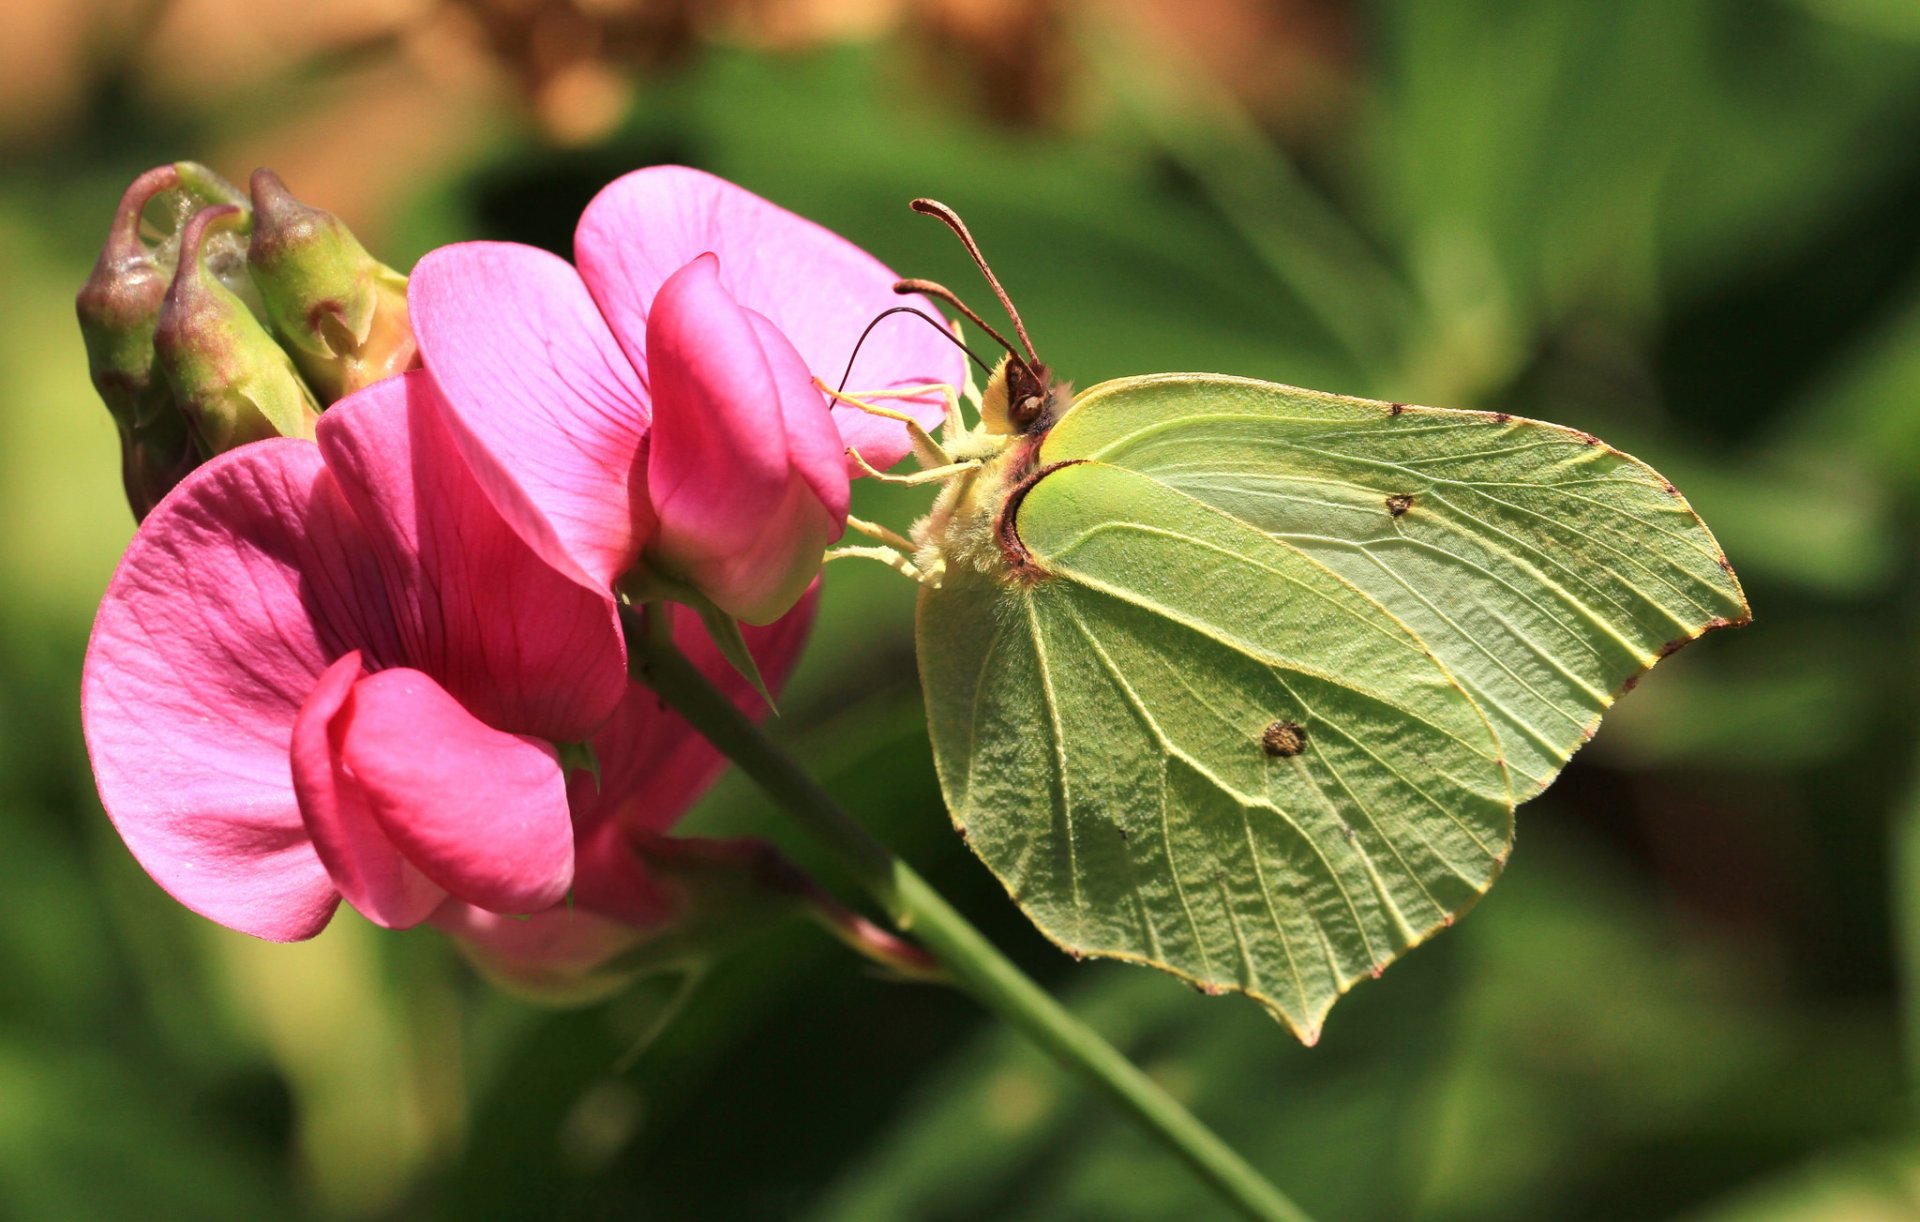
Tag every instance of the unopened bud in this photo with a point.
(119, 304)
(341, 312)
(118, 308)
(229, 377)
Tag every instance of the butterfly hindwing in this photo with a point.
(1190, 745)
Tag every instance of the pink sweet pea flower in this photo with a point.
(697, 316)
(653, 766)
(332, 670)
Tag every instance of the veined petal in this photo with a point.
(216, 626)
(745, 469)
(547, 409)
(819, 289)
(481, 812)
(520, 645)
(376, 879)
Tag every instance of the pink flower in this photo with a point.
(698, 309)
(653, 765)
(333, 670)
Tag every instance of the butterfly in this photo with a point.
(1244, 681)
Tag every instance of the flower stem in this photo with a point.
(974, 963)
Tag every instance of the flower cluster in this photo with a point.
(374, 665)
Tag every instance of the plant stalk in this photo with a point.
(974, 963)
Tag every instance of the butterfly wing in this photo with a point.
(1191, 745)
(1545, 569)
(1284, 663)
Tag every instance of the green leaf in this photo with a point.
(1248, 680)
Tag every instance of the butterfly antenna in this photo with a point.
(924, 317)
(947, 295)
(951, 219)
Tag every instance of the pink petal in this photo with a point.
(546, 408)
(653, 765)
(480, 812)
(819, 289)
(213, 631)
(521, 646)
(745, 470)
(563, 955)
(366, 867)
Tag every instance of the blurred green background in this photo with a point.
(1690, 226)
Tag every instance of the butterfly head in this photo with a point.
(1020, 398)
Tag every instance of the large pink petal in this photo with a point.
(745, 470)
(819, 289)
(546, 408)
(366, 867)
(653, 765)
(231, 601)
(481, 812)
(524, 648)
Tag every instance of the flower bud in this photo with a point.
(118, 308)
(342, 313)
(231, 380)
(746, 471)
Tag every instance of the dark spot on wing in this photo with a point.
(1284, 739)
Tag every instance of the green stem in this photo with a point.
(1906, 922)
(974, 963)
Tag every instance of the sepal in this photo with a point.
(340, 312)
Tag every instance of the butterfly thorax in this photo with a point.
(958, 535)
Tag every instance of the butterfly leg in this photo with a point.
(952, 424)
(885, 555)
(932, 475)
(926, 450)
(873, 530)
(969, 390)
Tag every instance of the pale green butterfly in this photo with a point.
(1244, 681)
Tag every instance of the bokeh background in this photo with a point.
(1690, 226)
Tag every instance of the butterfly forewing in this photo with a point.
(1546, 570)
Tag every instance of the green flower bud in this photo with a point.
(231, 380)
(342, 313)
(119, 304)
(118, 308)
